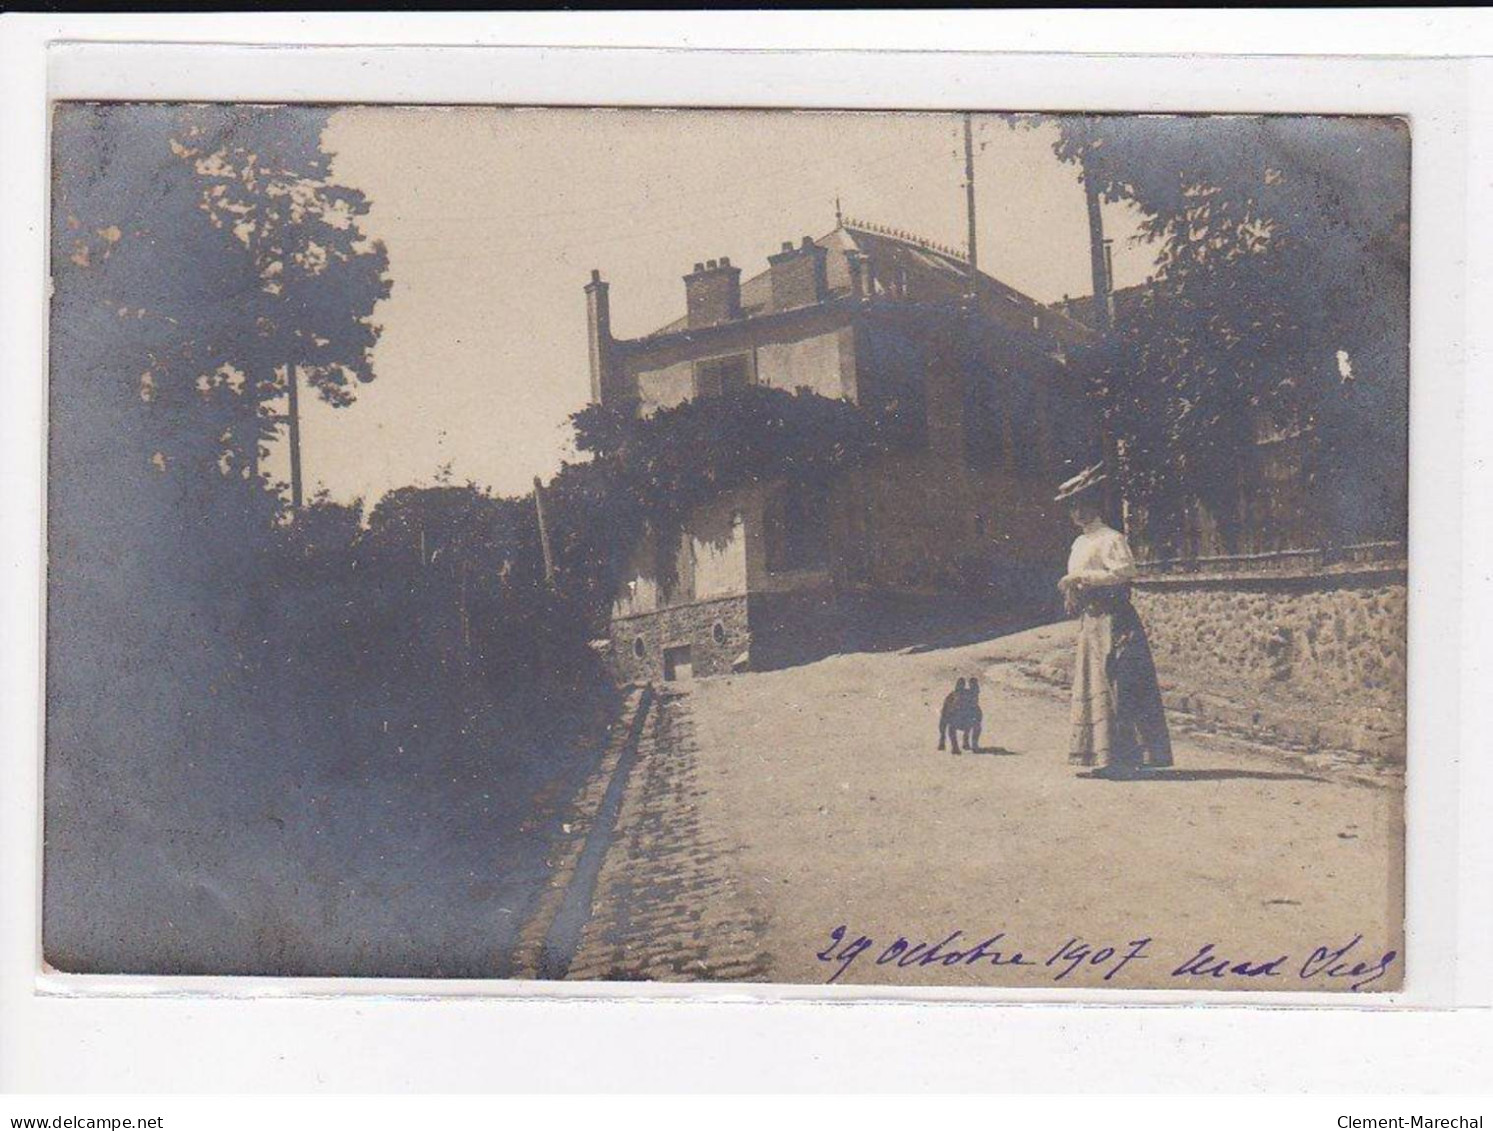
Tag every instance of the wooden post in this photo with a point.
(1104, 320)
(292, 382)
(965, 361)
(251, 421)
(252, 390)
(971, 239)
(1104, 303)
(544, 534)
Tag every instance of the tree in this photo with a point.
(265, 183)
(1280, 300)
(144, 316)
(212, 245)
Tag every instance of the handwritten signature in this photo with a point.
(1325, 965)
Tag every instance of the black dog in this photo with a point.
(961, 716)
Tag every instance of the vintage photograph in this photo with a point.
(894, 549)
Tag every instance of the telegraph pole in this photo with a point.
(1100, 267)
(969, 203)
(963, 348)
(292, 381)
(1104, 299)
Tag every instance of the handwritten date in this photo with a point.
(1349, 964)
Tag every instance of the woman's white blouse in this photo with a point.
(1101, 556)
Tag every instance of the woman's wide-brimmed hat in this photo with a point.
(1081, 484)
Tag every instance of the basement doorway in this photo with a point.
(677, 664)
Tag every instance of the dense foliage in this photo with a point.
(264, 727)
(676, 459)
(1280, 302)
(653, 470)
(208, 247)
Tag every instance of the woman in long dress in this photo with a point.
(1118, 721)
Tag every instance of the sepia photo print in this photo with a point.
(893, 549)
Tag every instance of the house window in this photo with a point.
(797, 529)
(717, 375)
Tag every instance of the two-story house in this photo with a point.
(776, 572)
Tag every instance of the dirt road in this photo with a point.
(772, 809)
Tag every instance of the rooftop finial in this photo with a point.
(839, 217)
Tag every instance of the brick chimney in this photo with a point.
(799, 275)
(599, 334)
(712, 293)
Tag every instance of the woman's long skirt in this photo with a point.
(1118, 720)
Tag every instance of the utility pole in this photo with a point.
(962, 350)
(251, 390)
(1104, 299)
(971, 242)
(544, 533)
(1100, 267)
(292, 382)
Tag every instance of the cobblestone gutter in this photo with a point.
(641, 889)
(545, 949)
(669, 904)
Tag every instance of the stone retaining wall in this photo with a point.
(757, 631)
(716, 632)
(1315, 656)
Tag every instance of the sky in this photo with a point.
(494, 217)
